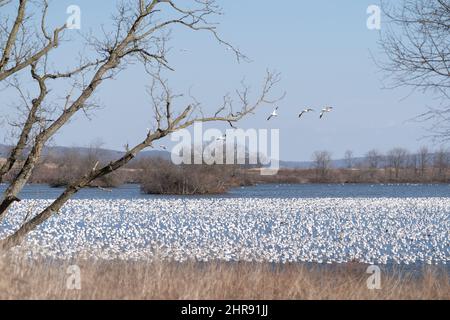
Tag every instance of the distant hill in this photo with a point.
(105, 154)
(109, 155)
(338, 163)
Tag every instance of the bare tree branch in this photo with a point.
(172, 125)
(4, 2)
(417, 47)
(28, 126)
(21, 62)
(139, 35)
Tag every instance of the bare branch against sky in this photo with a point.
(139, 37)
(417, 46)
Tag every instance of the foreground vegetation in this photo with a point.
(26, 279)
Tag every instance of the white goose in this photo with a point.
(305, 111)
(325, 110)
(274, 114)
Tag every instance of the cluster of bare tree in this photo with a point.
(138, 34)
(396, 165)
(63, 170)
(163, 177)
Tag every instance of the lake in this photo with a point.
(329, 224)
(132, 191)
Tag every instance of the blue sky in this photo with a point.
(322, 50)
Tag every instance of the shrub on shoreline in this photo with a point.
(163, 177)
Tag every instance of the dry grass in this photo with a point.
(26, 279)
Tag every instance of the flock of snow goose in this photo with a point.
(327, 230)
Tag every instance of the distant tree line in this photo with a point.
(396, 165)
(155, 175)
(161, 176)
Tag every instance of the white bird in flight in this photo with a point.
(325, 110)
(163, 147)
(274, 114)
(305, 111)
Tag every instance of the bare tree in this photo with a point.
(417, 45)
(4, 2)
(374, 159)
(17, 49)
(441, 163)
(423, 159)
(349, 159)
(322, 163)
(397, 159)
(139, 36)
(413, 166)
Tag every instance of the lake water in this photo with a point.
(261, 191)
(312, 223)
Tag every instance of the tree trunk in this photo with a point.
(17, 238)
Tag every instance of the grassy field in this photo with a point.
(26, 279)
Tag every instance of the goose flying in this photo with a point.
(274, 114)
(305, 111)
(325, 110)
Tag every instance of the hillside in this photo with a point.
(104, 154)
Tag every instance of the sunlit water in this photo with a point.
(262, 191)
(374, 224)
